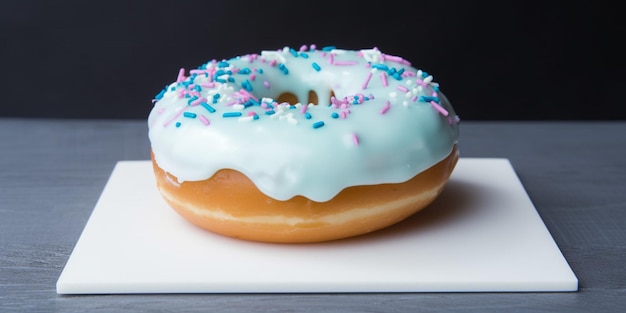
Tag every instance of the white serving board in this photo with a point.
(482, 234)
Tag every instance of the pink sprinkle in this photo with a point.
(247, 94)
(367, 81)
(181, 93)
(331, 58)
(197, 72)
(323, 54)
(409, 74)
(233, 102)
(313, 47)
(266, 84)
(359, 53)
(175, 116)
(181, 75)
(368, 65)
(403, 89)
(208, 85)
(273, 63)
(355, 139)
(371, 96)
(396, 59)
(204, 120)
(252, 76)
(251, 113)
(197, 101)
(434, 94)
(345, 63)
(302, 48)
(343, 115)
(383, 76)
(303, 108)
(161, 110)
(414, 98)
(439, 108)
(386, 107)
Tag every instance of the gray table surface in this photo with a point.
(53, 171)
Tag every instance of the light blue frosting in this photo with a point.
(393, 134)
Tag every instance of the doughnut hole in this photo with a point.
(292, 99)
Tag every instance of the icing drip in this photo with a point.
(309, 122)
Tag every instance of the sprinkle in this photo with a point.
(355, 139)
(197, 101)
(293, 52)
(266, 84)
(270, 112)
(304, 55)
(331, 58)
(334, 115)
(283, 68)
(178, 124)
(181, 75)
(223, 64)
(246, 85)
(204, 120)
(307, 115)
(316, 66)
(402, 88)
(441, 110)
(318, 124)
(328, 48)
(246, 118)
(189, 115)
(207, 107)
(367, 80)
(231, 114)
(383, 77)
(173, 117)
(386, 107)
(345, 63)
(304, 108)
(429, 99)
(302, 48)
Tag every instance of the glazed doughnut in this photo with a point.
(302, 145)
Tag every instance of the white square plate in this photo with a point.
(482, 234)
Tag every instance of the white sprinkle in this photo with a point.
(428, 79)
(405, 103)
(275, 55)
(246, 118)
(408, 81)
(393, 94)
(338, 51)
(238, 107)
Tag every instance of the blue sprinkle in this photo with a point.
(428, 99)
(173, 88)
(269, 112)
(219, 80)
(304, 55)
(424, 74)
(223, 64)
(216, 96)
(293, 52)
(307, 115)
(283, 68)
(316, 66)
(198, 88)
(231, 114)
(380, 67)
(328, 48)
(207, 107)
(436, 88)
(244, 70)
(292, 107)
(178, 124)
(189, 114)
(397, 76)
(318, 124)
(259, 70)
(192, 99)
(231, 79)
(160, 95)
(401, 71)
(246, 85)
(334, 115)
(255, 116)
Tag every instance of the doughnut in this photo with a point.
(306, 145)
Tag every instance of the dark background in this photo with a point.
(495, 60)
